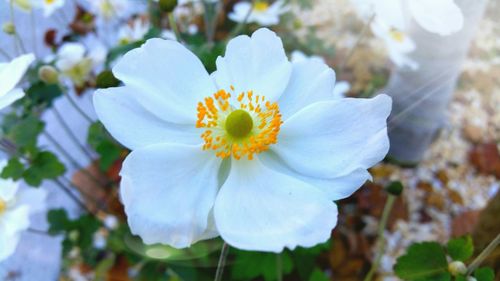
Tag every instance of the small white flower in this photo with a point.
(399, 44)
(73, 63)
(15, 208)
(133, 31)
(10, 75)
(260, 12)
(110, 221)
(49, 6)
(109, 10)
(255, 152)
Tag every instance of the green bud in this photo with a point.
(457, 268)
(106, 79)
(9, 28)
(73, 235)
(395, 188)
(168, 5)
(48, 74)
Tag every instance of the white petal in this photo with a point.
(337, 188)
(341, 88)
(263, 210)
(443, 17)
(168, 191)
(168, 79)
(311, 81)
(333, 138)
(240, 11)
(134, 126)
(10, 97)
(15, 220)
(256, 63)
(9, 187)
(8, 245)
(11, 73)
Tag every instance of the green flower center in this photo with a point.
(239, 123)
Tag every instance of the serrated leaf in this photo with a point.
(58, 221)
(44, 165)
(24, 132)
(250, 265)
(484, 274)
(13, 170)
(42, 93)
(460, 249)
(423, 261)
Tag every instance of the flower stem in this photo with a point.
(279, 268)
(484, 254)
(380, 236)
(71, 195)
(222, 262)
(358, 43)
(33, 32)
(211, 15)
(77, 108)
(240, 25)
(173, 25)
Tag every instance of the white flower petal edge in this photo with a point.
(311, 81)
(256, 63)
(443, 17)
(168, 191)
(333, 138)
(10, 74)
(169, 80)
(8, 245)
(134, 126)
(263, 210)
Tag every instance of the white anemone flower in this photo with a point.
(260, 12)
(134, 31)
(49, 6)
(109, 10)
(443, 17)
(10, 75)
(256, 152)
(16, 206)
(399, 45)
(73, 62)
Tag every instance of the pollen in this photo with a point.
(238, 126)
(397, 35)
(261, 6)
(3, 206)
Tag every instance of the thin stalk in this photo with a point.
(173, 25)
(33, 32)
(380, 236)
(358, 42)
(240, 25)
(5, 54)
(71, 195)
(211, 14)
(279, 267)
(101, 206)
(37, 231)
(77, 108)
(484, 254)
(222, 262)
(70, 133)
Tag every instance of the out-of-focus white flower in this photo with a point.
(260, 12)
(110, 221)
(49, 6)
(255, 152)
(168, 34)
(341, 87)
(10, 75)
(134, 31)
(442, 17)
(16, 206)
(109, 10)
(100, 239)
(397, 42)
(73, 63)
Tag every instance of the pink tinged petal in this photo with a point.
(263, 210)
(333, 138)
(134, 126)
(256, 63)
(168, 191)
(311, 81)
(168, 79)
(443, 17)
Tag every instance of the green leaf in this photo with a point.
(44, 165)
(423, 261)
(460, 249)
(13, 170)
(484, 274)
(58, 221)
(460, 278)
(318, 275)
(250, 265)
(25, 131)
(108, 153)
(42, 93)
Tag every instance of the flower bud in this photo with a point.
(457, 268)
(395, 188)
(168, 5)
(9, 28)
(48, 74)
(470, 278)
